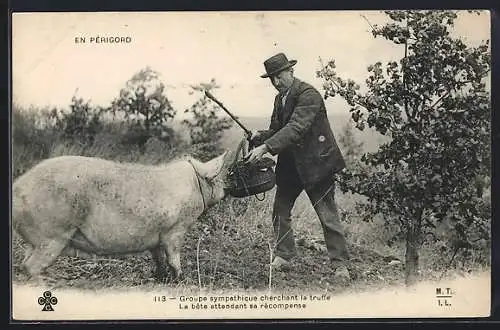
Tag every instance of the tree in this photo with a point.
(434, 106)
(206, 128)
(144, 105)
(80, 124)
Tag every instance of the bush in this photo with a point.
(205, 127)
(33, 137)
(80, 124)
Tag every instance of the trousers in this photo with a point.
(322, 197)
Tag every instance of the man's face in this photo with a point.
(282, 80)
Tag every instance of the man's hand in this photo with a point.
(254, 138)
(257, 153)
(254, 135)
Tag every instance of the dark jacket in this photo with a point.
(301, 135)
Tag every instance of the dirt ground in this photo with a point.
(234, 256)
(229, 269)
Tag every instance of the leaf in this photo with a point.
(437, 178)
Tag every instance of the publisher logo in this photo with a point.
(47, 300)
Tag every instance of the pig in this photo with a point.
(102, 207)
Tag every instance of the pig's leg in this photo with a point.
(69, 251)
(159, 259)
(45, 253)
(172, 241)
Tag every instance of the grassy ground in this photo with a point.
(230, 258)
(230, 248)
(231, 245)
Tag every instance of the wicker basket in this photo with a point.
(247, 179)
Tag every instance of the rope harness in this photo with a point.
(199, 185)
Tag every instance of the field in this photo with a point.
(230, 247)
(228, 252)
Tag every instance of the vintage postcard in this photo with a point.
(250, 165)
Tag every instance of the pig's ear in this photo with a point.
(220, 164)
(212, 168)
(244, 149)
(236, 153)
(223, 162)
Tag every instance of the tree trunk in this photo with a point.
(147, 123)
(413, 233)
(411, 260)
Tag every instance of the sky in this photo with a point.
(187, 48)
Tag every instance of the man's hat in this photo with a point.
(276, 64)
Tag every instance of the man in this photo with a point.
(308, 158)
